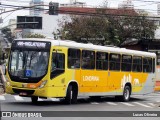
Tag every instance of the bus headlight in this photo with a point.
(43, 84)
(8, 83)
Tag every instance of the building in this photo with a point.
(38, 9)
(158, 8)
(74, 3)
(126, 4)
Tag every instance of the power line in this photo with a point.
(22, 1)
(25, 7)
(32, 7)
(12, 6)
(145, 0)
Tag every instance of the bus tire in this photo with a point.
(34, 99)
(126, 95)
(71, 96)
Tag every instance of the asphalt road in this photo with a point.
(137, 103)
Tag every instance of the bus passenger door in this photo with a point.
(114, 74)
(73, 64)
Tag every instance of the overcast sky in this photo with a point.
(139, 4)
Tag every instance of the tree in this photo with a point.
(107, 30)
(8, 34)
(105, 4)
(1, 54)
(86, 29)
(36, 35)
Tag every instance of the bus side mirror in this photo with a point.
(3, 56)
(5, 69)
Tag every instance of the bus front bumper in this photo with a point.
(42, 92)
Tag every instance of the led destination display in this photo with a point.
(31, 44)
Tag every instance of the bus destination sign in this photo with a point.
(31, 44)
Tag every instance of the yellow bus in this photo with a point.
(47, 68)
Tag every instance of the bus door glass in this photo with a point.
(57, 64)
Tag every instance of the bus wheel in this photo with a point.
(71, 97)
(34, 99)
(126, 95)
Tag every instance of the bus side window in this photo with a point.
(126, 64)
(137, 64)
(114, 62)
(102, 61)
(153, 65)
(88, 59)
(74, 58)
(147, 64)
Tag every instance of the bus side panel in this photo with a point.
(139, 82)
(144, 86)
(114, 81)
(93, 81)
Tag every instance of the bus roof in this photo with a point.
(73, 44)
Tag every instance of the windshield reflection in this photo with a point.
(28, 63)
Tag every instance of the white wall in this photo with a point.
(49, 24)
(157, 33)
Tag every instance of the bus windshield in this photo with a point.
(28, 63)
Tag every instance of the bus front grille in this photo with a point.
(18, 91)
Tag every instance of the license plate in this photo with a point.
(22, 93)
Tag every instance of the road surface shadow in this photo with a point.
(81, 101)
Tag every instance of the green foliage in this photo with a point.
(0, 51)
(36, 35)
(1, 54)
(5, 30)
(8, 34)
(106, 30)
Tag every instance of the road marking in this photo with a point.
(55, 99)
(111, 103)
(152, 104)
(2, 97)
(94, 103)
(39, 99)
(142, 104)
(18, 98)
(128, 104)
